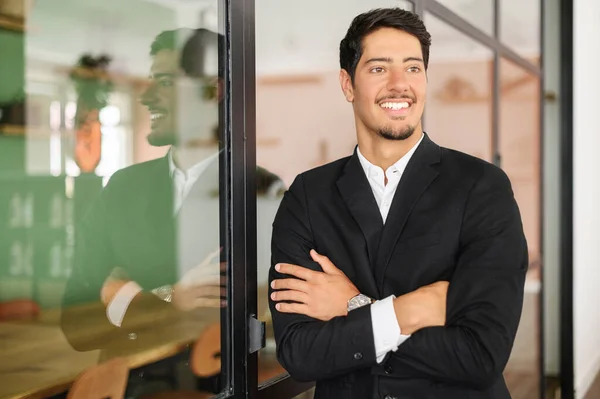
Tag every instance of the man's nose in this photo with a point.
(398, 81)
(148, 97)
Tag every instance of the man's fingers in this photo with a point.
(208, 291)
(296, 271)
(209, 303)
(214, 279)
(290, 284)
(326, 264)
(290, 295)
(298, 308)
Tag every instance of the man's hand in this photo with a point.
(320, 295)
(208, 289)
(204, 286)
(425, 307)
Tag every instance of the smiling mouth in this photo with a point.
(395, 105)
(156, 116)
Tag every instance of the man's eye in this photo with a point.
(414, 69)
(377, 70)
(165, 82)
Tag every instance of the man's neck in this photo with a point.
(186, 157)
(383, 152)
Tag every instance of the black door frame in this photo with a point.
(567, 368)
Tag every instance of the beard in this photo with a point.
(161, 139)
(398, 134)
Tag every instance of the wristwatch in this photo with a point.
(164, 292)
(359, 301)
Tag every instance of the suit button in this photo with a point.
(389, 397)
(357, 356)
(388, 369)
(132, 336)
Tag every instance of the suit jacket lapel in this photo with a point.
(419, 174)
(358, 197)
(158, 211)
(159, 200)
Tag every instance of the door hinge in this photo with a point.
(257, 334)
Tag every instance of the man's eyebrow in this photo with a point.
(161, 75)
(390, 60)
(379, 59)
(418, 59)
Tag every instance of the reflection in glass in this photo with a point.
(111, 216)
(303, 120)
(458, 113)
(479, 13)
(519, 146)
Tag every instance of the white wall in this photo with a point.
(586, 192)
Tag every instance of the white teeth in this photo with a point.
(157, 115)
(394, 105)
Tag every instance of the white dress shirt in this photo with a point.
(184, 181)
(386, 330)
(182, 184)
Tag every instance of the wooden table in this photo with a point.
(36, 361)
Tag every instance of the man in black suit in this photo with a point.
(134, 249)
(397, 272)
(151, 247)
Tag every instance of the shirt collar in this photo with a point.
(195, 171)
(399, 165)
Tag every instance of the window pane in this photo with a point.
(519, 146)
(111, 215)
(458, 114)
(479, 13)
(303, 119)
(520, 23)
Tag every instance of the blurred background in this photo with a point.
(71, 76)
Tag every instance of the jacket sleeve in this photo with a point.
(310, 349)
(485, 295)
(89, 328)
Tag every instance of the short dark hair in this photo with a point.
(351, 47)
(193, 51)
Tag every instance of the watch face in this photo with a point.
(358, 301)
(164, 292)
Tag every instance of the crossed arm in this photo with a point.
(93, 280)
(482, 312)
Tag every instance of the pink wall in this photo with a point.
(304, 121)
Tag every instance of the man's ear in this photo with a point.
(347, 85)
(214, 90)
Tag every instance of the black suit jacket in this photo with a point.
(453, 218)
(132, 227)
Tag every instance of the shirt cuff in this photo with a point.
(117, 307)
(386, 330)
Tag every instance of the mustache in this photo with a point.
(397, 97)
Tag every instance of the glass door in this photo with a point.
(116, 238)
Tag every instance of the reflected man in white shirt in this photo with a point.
(151, 248)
